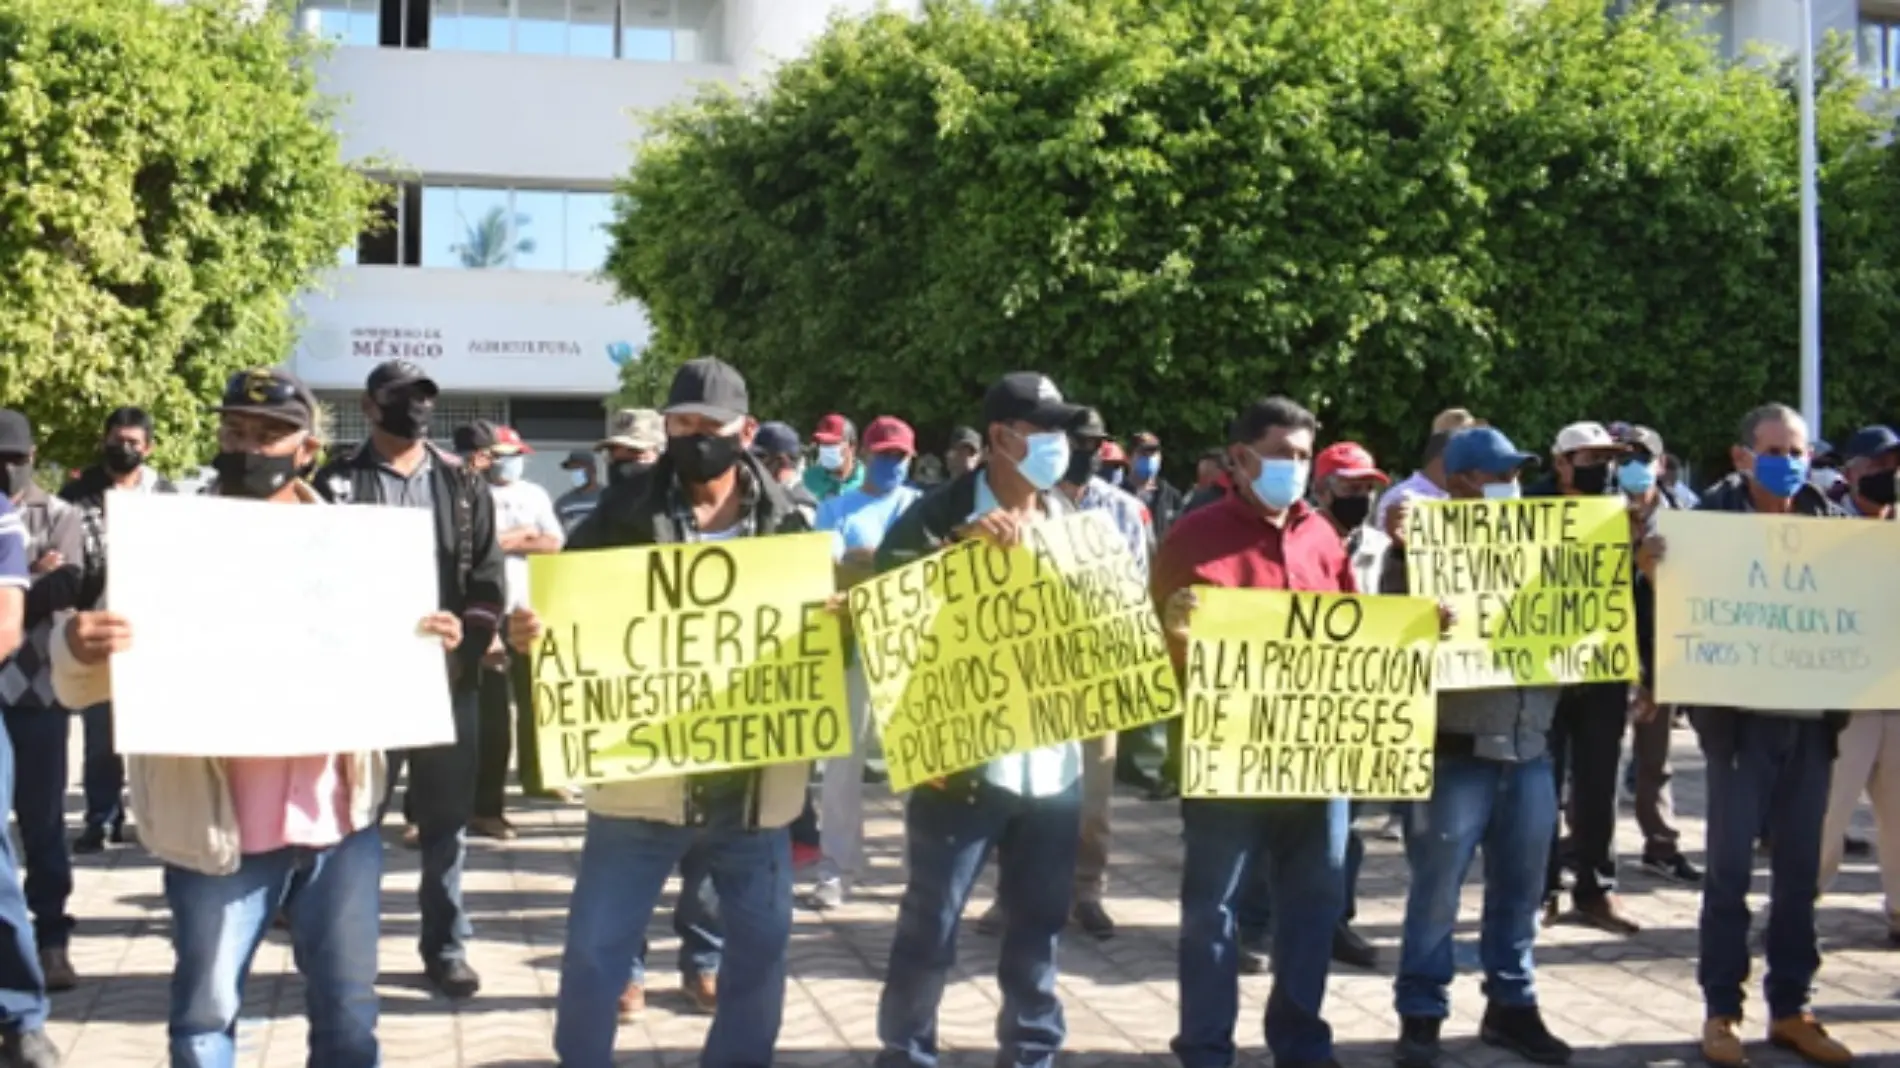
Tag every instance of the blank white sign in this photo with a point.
(273, 630)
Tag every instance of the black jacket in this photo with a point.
(931, 523)
(636, 512)
(1165, 508)
(468, 559)
(1719, 730)
(88, 491)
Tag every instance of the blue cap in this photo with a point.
(776, 439)
(1869, 442)
(1485, 449)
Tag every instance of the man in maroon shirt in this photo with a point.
(1261, 536)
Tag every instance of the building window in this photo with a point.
(655, 31)
(486, 228)
(1880, 51)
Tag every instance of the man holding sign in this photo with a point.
(1493, 788)
(1024, 806)
(706, 490)
(1261, 536)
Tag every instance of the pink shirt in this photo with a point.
(289, 801)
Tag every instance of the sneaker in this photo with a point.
(1854, 845)
(91, 840)
(826, 894)
(28, 1049)
(633, 1003)
(1520, 1029)
(1606, 914)
(1805, 1036)
(455, 979)
(1164, 791)
(116, 836)
(1722, 1042)
(1254, 954)
(57, 967)
(411, 836)
(1351, 949)
(1675, 869)
(1393, 830)
(496, 827)
(1094, 919)
(703, 992)
(1553, 910)
(992, 920)
(1417, 1046)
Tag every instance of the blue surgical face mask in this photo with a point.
(1500, 491)
(508, 468)
(579, 478)
(1146, 466)
(888, 472)
(1636, 477)
(831, 457)
(1781, 476)
(1280, 483)
(1047, 459)
(1114, 476)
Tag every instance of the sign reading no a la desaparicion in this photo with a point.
(1541, 588)
(978, 652)
(680, 659)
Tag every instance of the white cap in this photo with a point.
(1579, 436)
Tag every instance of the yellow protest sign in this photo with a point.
(1309, 695)
(978, 652)
(1541, 587)
(678, 659)
(1778, 613)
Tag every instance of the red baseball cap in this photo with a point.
(508, 442)
(888, 433)
(832, 429)
(1348, 459)
(1111, 452)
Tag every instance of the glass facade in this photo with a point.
(652, 31)
(490, 228)
(1878, 49)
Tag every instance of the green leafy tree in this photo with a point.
(170, 179)
(1382, 207)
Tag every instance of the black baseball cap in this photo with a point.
(396, 374)
(16, 433)
(1027, 397)
(1091, 426)
(1869, 442)
(776, 439)
(964, 437)
(269, 393)
(578, 460)
(708, 386)
(475, 436)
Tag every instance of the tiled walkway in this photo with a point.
(1620, 1001)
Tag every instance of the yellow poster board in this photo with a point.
(1310, 695)
(1541, 587)
(1778, 613)
(977, 652)
(679, 659)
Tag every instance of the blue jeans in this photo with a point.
(104, 773)
(1253, 913)
(332, 897)
(624, 866)
(441, 798)
(1300, 848)
(1780, 773)
(695, 921)
(949, 835)
(39, 803)
(1509, 809)
(22, 986)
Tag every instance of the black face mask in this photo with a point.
(1877, 486)
(701, 458)
(14, 478)
(248, 474)
(405, 417)
(121, 458)
(1084, 464)
(1590, 479)
(1350, 512)
(626, 471)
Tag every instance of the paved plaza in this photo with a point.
(1620, 1001)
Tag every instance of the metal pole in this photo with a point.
(1810, 234)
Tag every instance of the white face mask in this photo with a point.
(1500, 491)
(508, 468)
(579, 478)
(831, 457)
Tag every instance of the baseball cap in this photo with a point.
(1347, 459)
(474, 437)
(395, 374)
(1642, 439)
(776, 439)
(1869, 442)
(634, 428)
(1585, 435)
(578, 460)
(1111, 452)
(508, 442)
(1091, 425)
(833, 429)
(887, 433)
(16, 433)
(1144, 439)
(964, 437)
(261, 391)
(1486, 449)
(1027, 397)
(711, 387)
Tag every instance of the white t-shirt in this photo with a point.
(521, 504)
